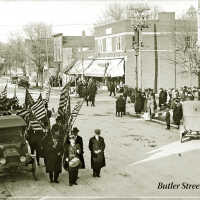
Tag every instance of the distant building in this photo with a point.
(69, 49)
(116, 40)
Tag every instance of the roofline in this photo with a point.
(58, 34)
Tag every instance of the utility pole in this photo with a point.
(156, 60)
(175, 55)
(136, 54)
(82, 56)
(140, 15)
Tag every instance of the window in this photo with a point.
(100, 46)
(109, 44)
(118, 43)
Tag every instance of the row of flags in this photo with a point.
(35, 112)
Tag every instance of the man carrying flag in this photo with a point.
(28, 99)
(64, 109)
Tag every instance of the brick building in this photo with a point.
(69, 49)
(115, 41)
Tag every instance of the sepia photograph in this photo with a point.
(99, 99)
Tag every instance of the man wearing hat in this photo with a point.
(57, 128)
(177, 112)
(53, 156)
(71, 155)
(79, 140)
(97, 147)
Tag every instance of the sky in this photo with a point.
(69, 17)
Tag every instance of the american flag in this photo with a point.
(38, 109)
(76, 109)
(28, 99)
(35, 125)
(4, 92)
(24, 114)
(64, 104)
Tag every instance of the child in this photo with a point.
(167, 118)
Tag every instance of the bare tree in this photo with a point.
(185, 42)
(38, 44)
(116, 12)
(16, 52)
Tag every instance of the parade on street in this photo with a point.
(99, 100)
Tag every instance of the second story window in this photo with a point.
(118, 43)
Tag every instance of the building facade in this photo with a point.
(116, 40)
(69, 49)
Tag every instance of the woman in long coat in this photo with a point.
(53, 149)
(138, 102)
(97, 147)
(177, 113)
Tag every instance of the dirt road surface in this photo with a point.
(139, 156)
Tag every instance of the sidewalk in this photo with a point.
(130, 110)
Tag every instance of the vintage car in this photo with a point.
(14, 153)
(191, 120)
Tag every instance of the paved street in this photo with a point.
(139, 155)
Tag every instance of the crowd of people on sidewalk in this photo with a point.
(168, 103)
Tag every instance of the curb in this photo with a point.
(153, 120)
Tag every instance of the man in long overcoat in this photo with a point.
(53, 156)
(79, 140)
(97, 147)
(92, 91)
(34, 138)
(177, 113)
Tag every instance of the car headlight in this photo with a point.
(22, 158)
(2, 161)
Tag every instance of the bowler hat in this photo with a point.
(97, 131)
(75, 130)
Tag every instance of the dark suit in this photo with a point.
(79, 141)
(95, 145)
(53, 158)
(167, 119)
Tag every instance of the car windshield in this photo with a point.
(10, 135)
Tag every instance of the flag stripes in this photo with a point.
(24, 114)
(28, 99)
(64, 96)
(35, 125)
(38, 109)
(4, 92)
